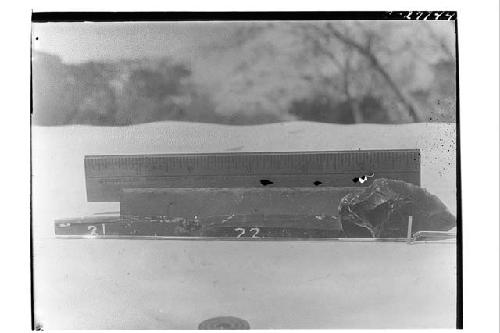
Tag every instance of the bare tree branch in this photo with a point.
(344, 68)
(441, 43)
(320, 47)
(412, 110)
(353, 103)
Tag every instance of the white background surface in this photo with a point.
(166, 284)
(478, 42)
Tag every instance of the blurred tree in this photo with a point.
(54, 90)
(371, 47)
(146, 93)
(258, 72)
(94, 98)
(348, 64)
(116, 93)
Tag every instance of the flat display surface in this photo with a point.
(95, 283)
(137, 284)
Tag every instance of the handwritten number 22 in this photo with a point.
(242, 231)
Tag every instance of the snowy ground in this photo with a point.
(167, 284)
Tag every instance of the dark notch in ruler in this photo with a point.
(107, 175)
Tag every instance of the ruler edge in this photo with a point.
(414, 150)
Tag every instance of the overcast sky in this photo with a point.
(79, 42)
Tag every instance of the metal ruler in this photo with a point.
(107, 175)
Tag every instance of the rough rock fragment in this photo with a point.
(382, 210)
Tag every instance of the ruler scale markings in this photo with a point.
(297, 172)
(322, 164)
(345, 165)
(104, 179)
